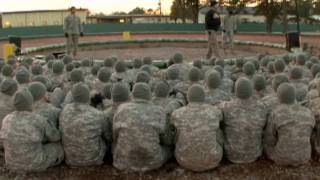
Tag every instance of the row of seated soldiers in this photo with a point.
(83, 112)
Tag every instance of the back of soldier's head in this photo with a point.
(57, 67)
(260, 82)
(239, 62)
(108, 62)
(69, 67)
(220, 62)
(80, 93)
(137, 63)
(36, 69)
(23, 100)
(38, 90)
(23, 75)
(244, 88)
(197, 64)
(42, 79)
(196, 94)
(286, 93)
(213, 80)
(301, 59)
(178, 58)
(67, 59)
(278, 80)
(49, 58)
(147, 69)
(141, 91)
(172, 73)
(120, 93)
(296, 73)
(7, 70)
(162, 89)
(76, 76)
(194, 75)
(147, 60)
(94, 70)
(279, 66)
(220, 70)
(104, 75)
(9, 87)
(249, 69)
(142, 77)
(85, 63)
(120, 66)
(315, 69)
(256, 64)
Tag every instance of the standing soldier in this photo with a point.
(213, 23)
(72, 29)
(229, 26)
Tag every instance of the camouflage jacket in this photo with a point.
(287, 136)
(199, 138)
(243, 125)
(49, 111)
(137, 127)
(83, 129)
(216, 96)
(167, 104)
(23, 135)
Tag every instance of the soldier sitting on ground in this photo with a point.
(199, 138)
(31, 143)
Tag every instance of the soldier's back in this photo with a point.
(82, 128)
(197, 145)
(136, 135)
(244, 121)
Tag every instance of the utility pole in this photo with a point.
(298, 16)
(160, 7)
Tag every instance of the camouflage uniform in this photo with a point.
(6, 106)
(29, 150)
(314, 106)
(168, 104)
(137, 127)
(183, 70)
(216, 96)
(83, 128)
(198, 139)
(287, 137)
(48, 111)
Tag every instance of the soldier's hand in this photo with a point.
(81, 34)
(66, 35)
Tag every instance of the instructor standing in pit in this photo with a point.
(213, 23)
(72, 28)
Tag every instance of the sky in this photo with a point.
(95, 6)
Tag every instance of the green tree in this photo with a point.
(270, 9)
(137, 10)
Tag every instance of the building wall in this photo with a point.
(34, 18)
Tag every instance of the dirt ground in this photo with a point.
(259, 170)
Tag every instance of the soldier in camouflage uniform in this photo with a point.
(104, 76)
(7, 72)
(271, 101)
(8, 88)
(109, 64)
(161, 98)
(227, 84)
(23, 77)
(36, 70)
(83, 130)
(183, 67)
(296, 79)
(41, 106)
(137, 130)
(199, 138)
(214, 94)
(121, 74)
(172, 76)
(93, 77)
(288, 133)
(260, 87)
(243, 124)
(72, 28)
(31, 143)
(301, 60)
(137, 63)
(57, 77)
(148, 61)
(248, 70)
(86, 67)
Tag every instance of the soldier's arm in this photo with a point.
(269, 137)
(51, 133)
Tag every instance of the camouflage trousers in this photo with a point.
(72, 44)
(212, 44)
